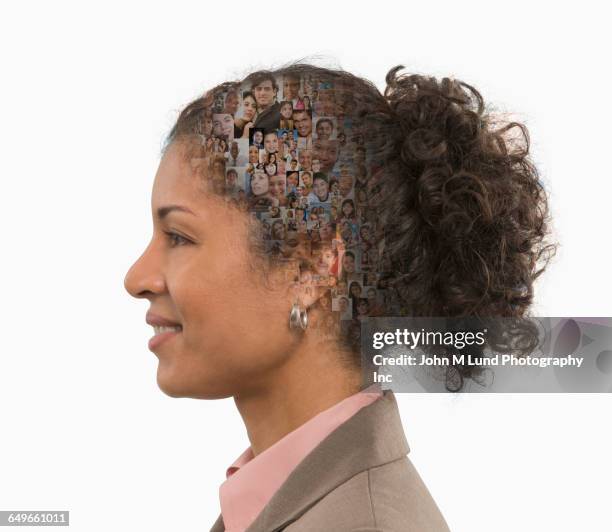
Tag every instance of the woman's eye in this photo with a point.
(176, 239)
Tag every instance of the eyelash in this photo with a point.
(171, 237)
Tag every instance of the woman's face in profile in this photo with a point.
(198, 273)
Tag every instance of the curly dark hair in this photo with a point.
(472, 210)
(462, 217)
(466, 215)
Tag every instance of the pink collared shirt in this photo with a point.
(252, 481)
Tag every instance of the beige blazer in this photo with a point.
(358, 479)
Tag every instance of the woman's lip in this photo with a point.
(155, 319)
(156, 340)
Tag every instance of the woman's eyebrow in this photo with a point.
(162, 212)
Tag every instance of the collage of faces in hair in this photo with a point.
(288, 151)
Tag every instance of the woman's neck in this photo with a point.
(312, 381)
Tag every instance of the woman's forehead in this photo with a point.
(176, 180)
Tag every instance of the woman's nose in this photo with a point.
(144, 278)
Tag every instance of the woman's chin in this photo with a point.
(169, 383)
(176, 385)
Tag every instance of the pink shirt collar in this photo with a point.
(251, 482)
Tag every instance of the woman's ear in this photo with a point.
(308, 290)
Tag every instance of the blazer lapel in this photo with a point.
(372, 437)
(218, 526)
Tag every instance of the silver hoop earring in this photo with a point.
(298, 318)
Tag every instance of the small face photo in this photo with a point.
(231, 102)
(293, 181)
(355, 289)
(286, 110)
(325, 128)
(270, 141)
(326, 152)
(223, 125)
(341, 288)
(241, 182)
(320, 187)
(259, 182)
(326, 103)
(239, 152)
(218, 169)
(274, 212)
(324, 259)
(347, 211)
(346, 183)
(365, 234)
(265, 93)
(270, 169)
(253, 154)
(278, 230)
(278, 186)
(306, 179)
(344, 306)
(256, 137)
(291, 86)
(349, 262)
(219, 102)
(361, 196)
(362, 308)
(248, 108)
(305, 159)
(302, 121)
(300, 214)
(207, 125)
(371, 294)
(231, 178)
(327, 230)
(325, 302)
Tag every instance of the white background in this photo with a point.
(87, 93)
